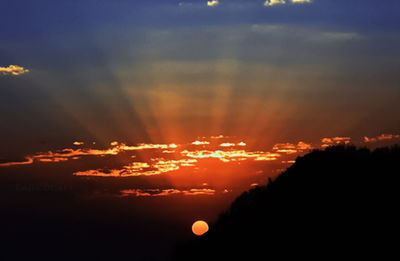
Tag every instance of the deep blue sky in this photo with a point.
(46, 16)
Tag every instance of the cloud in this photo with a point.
(136, 169)
(154, 165)
(13, 70)
(381, 137)
(183, 158)
(327, 142)
(274, 2)
(165, 192)
(197, 142)
(233, 155)
(300, 1)
(66, 154)
(212, 3)
(56, 159)
(290, 148)
(282, 2)
(28, 160)
(227, 144)
(196, 192)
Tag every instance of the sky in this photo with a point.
(136, 99)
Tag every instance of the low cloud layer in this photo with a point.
(167, 192)
(381, 137)
(327, 142)
(210, 166)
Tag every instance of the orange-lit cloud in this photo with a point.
(66, 154)
(218, 137)
(195, 192)
(168, 151)
(197, 142)
(57, 159)
(135, 192)
(381, 137)
(29, 160)
(180, 155)
(335, 141)
(13, 70)
(232, 155)
(144, 146)
(136, 169)
(207, 163)
(73, 153)
(227, 144)
(166, 192)
(290, 148)
(153, 166)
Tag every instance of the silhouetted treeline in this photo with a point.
(338, 203)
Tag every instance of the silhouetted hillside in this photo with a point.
(341, 202)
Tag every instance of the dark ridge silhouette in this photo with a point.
(338, 203)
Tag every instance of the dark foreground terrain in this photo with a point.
(337, 203)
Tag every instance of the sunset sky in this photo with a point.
(134, 99)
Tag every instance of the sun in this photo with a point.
(199, 227)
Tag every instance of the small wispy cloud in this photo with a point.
(212, 3)
(13, 70)
(300, 1)
(28, 161)
(282, 2)
(274, 2)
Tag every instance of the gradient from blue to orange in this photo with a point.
(141, 71)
